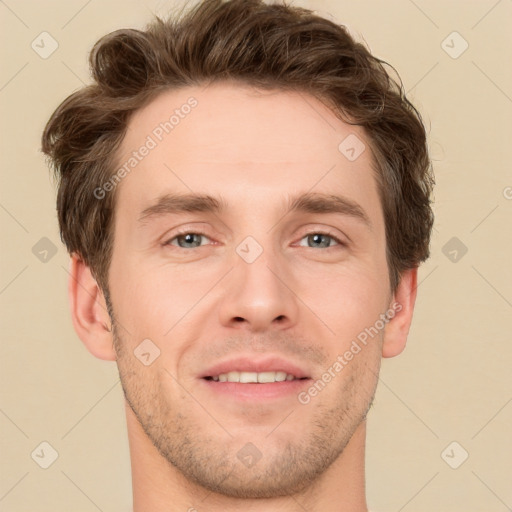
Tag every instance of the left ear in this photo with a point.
(397, 329)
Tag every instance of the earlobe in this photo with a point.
(89, 311)
(397, 329)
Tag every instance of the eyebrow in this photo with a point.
(182, 203)
(311, 202)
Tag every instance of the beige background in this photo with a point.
(452, 383)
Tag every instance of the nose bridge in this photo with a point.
(258, 264)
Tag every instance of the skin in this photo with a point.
(301, 299)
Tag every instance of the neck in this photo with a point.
(160, 487)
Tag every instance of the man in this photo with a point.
(245, 195)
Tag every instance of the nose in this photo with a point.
(258, 296)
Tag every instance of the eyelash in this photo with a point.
(184, 232)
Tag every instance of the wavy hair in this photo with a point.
(269, 46)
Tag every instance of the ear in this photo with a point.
(397, 329)
(89, 311)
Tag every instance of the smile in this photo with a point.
(253, 377)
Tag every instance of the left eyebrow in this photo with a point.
(329, 203)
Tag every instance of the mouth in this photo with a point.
(267, 377)
(248, 379)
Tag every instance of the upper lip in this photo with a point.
(252, 364)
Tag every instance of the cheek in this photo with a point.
(160, 305)
(347, 300)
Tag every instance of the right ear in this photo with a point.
(89, 311)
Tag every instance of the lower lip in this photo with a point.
(254, 391)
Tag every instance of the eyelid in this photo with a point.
(198, 228)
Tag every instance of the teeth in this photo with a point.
(267, 377)
(280, 376)
(248, 377)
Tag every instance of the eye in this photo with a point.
(192, 240)
(321, 240)
(187, 240)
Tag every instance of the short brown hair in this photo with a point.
(268, 46)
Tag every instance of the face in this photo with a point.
(270, 273)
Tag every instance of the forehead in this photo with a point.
(243, 143)
(258, 120)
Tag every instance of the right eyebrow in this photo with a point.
(181, 203)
